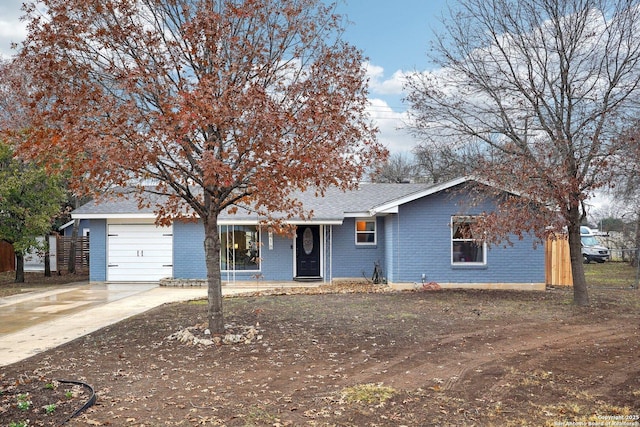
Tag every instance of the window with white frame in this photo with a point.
(239, 248)
(466, 248)
(366, 231)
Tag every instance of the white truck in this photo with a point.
(592, 250)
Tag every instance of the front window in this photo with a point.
(466, 247)
(240, 248)
(366, 231)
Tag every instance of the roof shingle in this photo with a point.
(334, 206)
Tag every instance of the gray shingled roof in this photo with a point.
(366, 197)
(335, 205)
(117, 205)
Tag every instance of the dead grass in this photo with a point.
(610, 275)
(354, 355)
(368, 393)
(37, 281)
(472, 358)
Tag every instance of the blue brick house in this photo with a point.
(414, 231)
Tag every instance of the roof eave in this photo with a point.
(113, 216)
(68, 224)
(392, 206)
(221, 221)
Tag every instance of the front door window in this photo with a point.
(308, 251)
(307, 241)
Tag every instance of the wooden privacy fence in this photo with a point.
(558, 262)
(60, 252)
(7, 257)
(63, 246)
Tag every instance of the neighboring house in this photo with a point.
(66, 230)
(34, 259)
(412, 230)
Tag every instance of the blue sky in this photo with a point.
(394, 35)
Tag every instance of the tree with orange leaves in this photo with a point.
(219, 104)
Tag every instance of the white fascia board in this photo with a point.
(392, 207)
(113, 216)
(226, 221)
(363, 214)
(316, 222)
(391, 210)
(68, 224)
(370, 214)
(152, 216)
(238, 222)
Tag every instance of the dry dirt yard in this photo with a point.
(354, 356)
(36, 281)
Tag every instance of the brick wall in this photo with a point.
(423, 243)
(351, 260)
(188, 250)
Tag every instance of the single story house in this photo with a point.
(66, 229)
(412, 230)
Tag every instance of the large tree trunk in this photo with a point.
(580, 293)
(214, 282)
(19, 268)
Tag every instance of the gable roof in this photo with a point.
(369, 199)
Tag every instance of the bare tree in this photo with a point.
(398, 168)
(438, 162)
(626, 191)
(546, 85)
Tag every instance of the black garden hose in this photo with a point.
(87, 405)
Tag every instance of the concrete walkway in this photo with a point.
(37, 321)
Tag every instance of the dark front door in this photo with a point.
(308, 251)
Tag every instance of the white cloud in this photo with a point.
(387, 111)
(391, 125)
(12, 30)
(379, 85)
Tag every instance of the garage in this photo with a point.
(139, 253)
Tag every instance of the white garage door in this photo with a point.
(139, 253)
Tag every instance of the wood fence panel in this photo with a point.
(82, 252)
(558, 262)
(7, 257)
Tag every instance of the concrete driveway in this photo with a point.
(38, 321)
